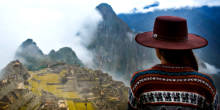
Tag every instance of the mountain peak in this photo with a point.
(29, 54)
(104, 5)
(29, 46)
(106, 10)
(52, 52)
(28, 42)
(15, 68)
(65, 55)
(68, 49)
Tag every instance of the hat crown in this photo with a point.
(170, 32)
(170, 28)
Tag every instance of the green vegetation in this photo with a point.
(23, 108)
(79, 106)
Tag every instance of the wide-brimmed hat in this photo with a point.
(170, 32)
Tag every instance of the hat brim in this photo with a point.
(193, 42)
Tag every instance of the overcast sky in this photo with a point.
(53, 24)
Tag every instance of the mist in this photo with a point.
(54, 24)
(51, 24)
(210, 69)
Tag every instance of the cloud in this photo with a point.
(52, 24)
(167, 4)
(208, 68)
(156, 4)
(131, 6)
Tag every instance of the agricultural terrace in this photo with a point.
(39, 81)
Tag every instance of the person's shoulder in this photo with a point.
(205, 75)
(140, 72)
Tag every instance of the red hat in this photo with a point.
(170, 32)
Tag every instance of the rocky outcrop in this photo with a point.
(12, 88)
(114, 47)
(15, 71)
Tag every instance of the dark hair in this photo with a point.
(180, 57)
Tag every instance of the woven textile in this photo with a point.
(172, 85)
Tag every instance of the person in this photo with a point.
(175, 84)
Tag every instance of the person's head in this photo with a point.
(177, 57)
(172, 41)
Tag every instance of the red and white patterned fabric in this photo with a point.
(172, 85)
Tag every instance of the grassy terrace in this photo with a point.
(40, 82)
(79, 106)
